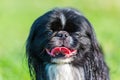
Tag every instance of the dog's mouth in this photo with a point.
(61, 52)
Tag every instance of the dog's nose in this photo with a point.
(62, 34)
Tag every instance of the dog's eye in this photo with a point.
(77, 34)
(50, 33)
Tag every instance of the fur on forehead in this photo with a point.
(61, 17)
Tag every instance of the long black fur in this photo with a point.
(89, 56)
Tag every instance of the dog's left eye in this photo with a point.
(77, 34)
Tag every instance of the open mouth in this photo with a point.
(61, 51)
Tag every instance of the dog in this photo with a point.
(62, 45)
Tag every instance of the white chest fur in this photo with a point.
(64, 72)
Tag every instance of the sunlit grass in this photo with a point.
(16, 17)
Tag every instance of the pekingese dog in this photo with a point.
(62, 46)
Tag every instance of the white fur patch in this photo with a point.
(61, 60)
(64, 72)
(63, 20)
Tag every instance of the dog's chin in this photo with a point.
(62, 60)
(61, 55)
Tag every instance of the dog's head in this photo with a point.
(64, 36)
(60, 34)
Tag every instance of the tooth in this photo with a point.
(57, 53)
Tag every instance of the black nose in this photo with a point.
(62, 34)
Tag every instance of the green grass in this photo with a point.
(16, 17)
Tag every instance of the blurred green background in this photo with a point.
(16, 17)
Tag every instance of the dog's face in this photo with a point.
(60, 35)
(63, 39)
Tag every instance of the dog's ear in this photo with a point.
(91, 34)
(39, 33)
(36, 42)
(95, 56)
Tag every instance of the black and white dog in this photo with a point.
(62, 46)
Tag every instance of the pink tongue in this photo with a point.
(63, 50)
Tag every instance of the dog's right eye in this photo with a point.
(50, 33)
